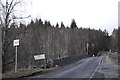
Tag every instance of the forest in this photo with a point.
(41, 37)
(59, 41)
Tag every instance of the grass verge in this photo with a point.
(114, 57)
(26, 72)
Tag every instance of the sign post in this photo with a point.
(16, 43)
(16, 61)
(40, 57)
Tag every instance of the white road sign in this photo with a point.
(38, 57)
(16, 42)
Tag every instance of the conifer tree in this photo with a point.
(57, 25)
(73, 24)
(62, 25)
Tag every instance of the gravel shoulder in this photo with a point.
(108, 67)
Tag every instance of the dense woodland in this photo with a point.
(114, 40)
(57, 41)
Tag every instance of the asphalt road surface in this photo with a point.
(84, 68)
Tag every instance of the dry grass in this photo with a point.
(113, 55)
(25, 72)
(111, 59)
(99, 53)
(109, 66)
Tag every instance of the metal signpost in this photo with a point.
(16, 43)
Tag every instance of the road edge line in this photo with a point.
(96, 68)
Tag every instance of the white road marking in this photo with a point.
(40, 76)
(96, 68)
(90, 77)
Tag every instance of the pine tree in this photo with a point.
(40, 22)
(57, 25)
(48, 24)
(73, 24)
(45, 24)
(31, 23)
(22, 26)
(62, 25)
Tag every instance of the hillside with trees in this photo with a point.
(55, 42)
(114, 40)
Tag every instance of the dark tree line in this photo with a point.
(114, 40)
(55, 41)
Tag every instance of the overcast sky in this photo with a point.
(95, 14)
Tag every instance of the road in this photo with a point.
(84, 68)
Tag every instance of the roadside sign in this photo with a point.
(38, 57)
(16, 42)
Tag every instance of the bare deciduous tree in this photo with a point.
(9, 15)
(8, 11)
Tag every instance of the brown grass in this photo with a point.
(25, 72)
(112, 58)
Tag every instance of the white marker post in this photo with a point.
(87, 47)
(16, 43)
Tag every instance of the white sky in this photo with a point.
(95, 14)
